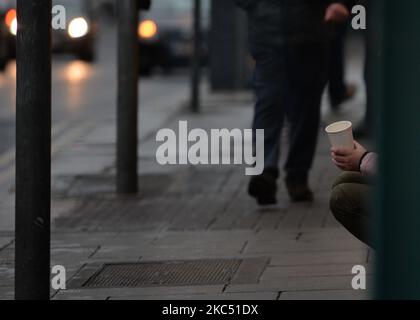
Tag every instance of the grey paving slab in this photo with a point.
(262, 296)
(279, 234)
(296, 246)
(326, 295)
(118, 253)
(71, 257)
(274, 273)
(193, 253)
(86, 239)
(7, 256)
(316, 258)
(250, 271)
(5, 241)
(77, 164)
(102, 294)
(7, 217)
(102, 135)
(136, 239)
(317, 213)
(7, 293)
(294, 216)
(331, 234)
(6, 277)
(205, 242)
(185, 247)
(269, 221)
(299, 284)
(171, 237)
(331, 222)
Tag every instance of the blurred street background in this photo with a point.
(180, 213)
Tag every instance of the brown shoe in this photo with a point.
(299, 190)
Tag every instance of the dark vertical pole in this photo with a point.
(230, 67)
(398, 261)
(196, 59)
(33, 150)
(127, 121)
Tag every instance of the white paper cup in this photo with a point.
(341, 134)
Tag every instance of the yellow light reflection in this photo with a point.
(10, 77)
(11, 70)
(75, 74)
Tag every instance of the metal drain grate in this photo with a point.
(173, 273)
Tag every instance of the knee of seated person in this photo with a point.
(346, 177)
(340, 202)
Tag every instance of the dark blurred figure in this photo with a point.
(106, 9)
(366, 128)
(290, 42)
(339, 91)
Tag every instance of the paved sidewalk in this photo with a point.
(190, 219)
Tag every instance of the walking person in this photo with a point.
(339, 90)
(289, 41)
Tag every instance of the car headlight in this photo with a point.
(11, 21)
(13, 27)
(78, 28)
(147, 29)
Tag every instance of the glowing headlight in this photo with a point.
(147, 29)
(13, 27)
(78, 28)
(11, 21)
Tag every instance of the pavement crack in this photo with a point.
(7, 245)
(244, 247)
(95, 251)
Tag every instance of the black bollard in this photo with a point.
(33, 150)
(127, 121)
(196, 58)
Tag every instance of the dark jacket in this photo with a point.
(276, 22)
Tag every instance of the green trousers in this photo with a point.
(350, 204)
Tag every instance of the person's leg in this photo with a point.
(349, 204)
(337, 87)
(268, 83)
(351, 177)
(307, 77)
(364, 129)
(269, 116)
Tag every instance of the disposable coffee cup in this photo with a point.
(341, 134)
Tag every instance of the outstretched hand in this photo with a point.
(348, 159)
(336, 12)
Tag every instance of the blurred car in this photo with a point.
(78, 38)
(8, 29)
(166, 35)
(80, 35)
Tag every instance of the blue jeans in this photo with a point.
(289, 82)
